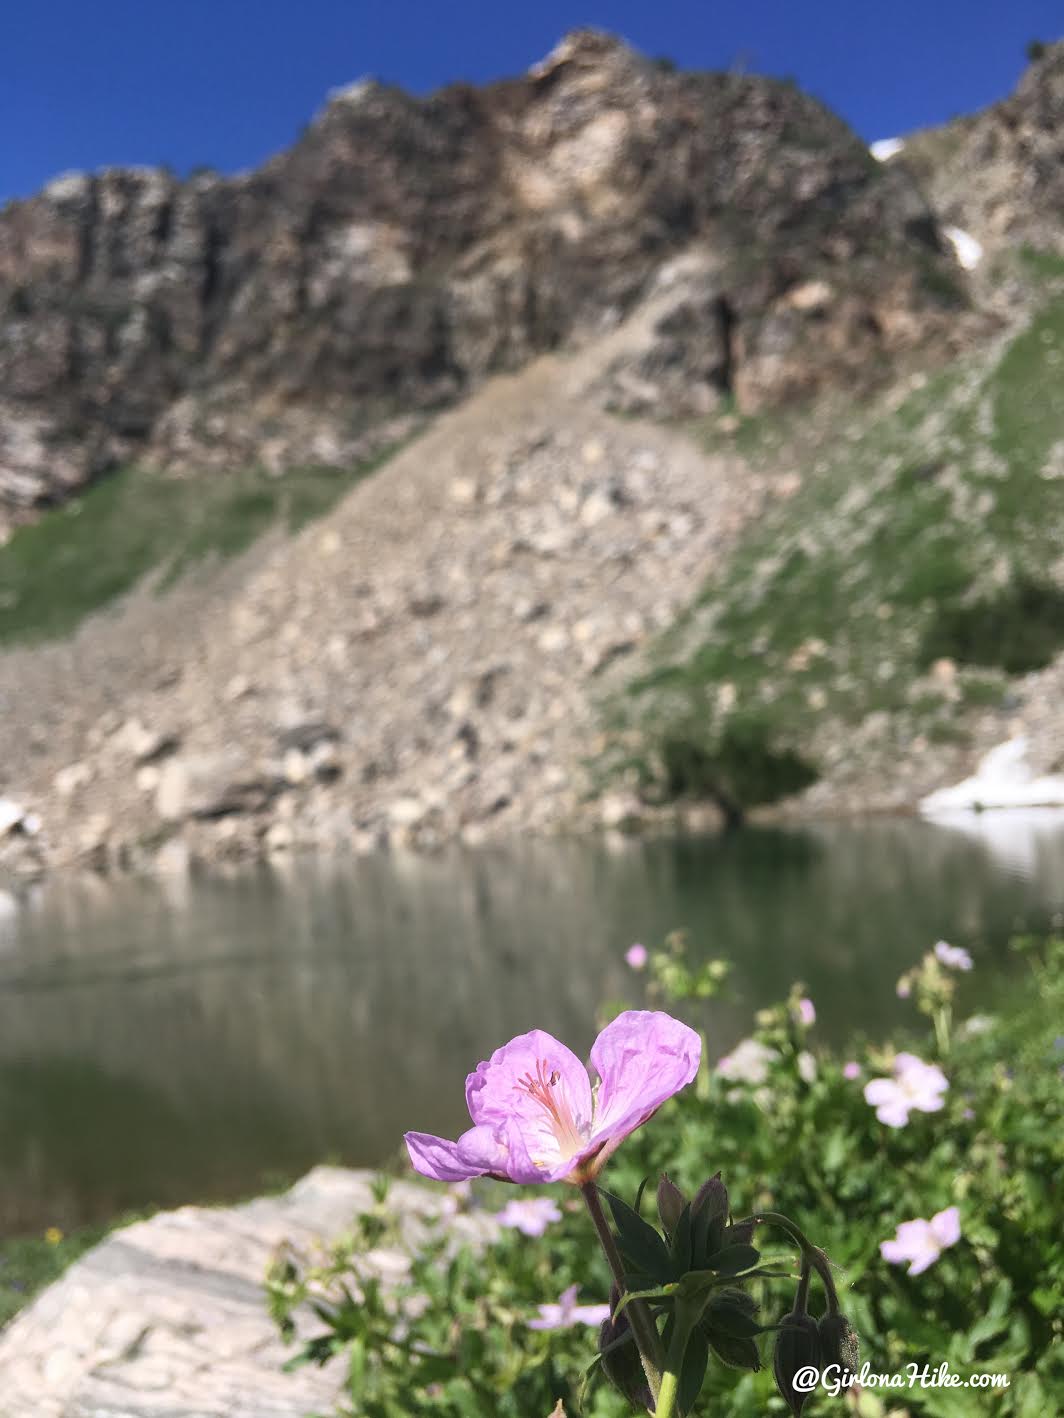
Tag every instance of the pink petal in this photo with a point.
(923, 1260)
(914, 1235)
(946, 1226)
(495, 1092)
(893, 1115)
(520, 1166)
(476, 1153)
(893, 1251)
(881, 1090)
(591, 1314)
(930, 1103)
(643, 1057)
(550, 1317)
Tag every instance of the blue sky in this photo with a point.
(87, 83)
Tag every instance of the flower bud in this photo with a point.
(711, 1197)
(797, 1347)
(670, 1203)
(838, 1342)
(622, 1365)
(740, 1233)
(709, 1215)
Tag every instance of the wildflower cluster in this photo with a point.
(939, 1218)
(677, 1294)
(933, 983)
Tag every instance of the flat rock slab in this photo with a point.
(167, 1318)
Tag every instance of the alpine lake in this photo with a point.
(208, 1037)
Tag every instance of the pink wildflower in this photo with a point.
(530, 1215)
(636, 956)
(955, 957)
(915, 1085)
(922, 1242)
(567, 1312)
(535, 1117)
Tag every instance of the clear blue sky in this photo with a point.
(87, 83)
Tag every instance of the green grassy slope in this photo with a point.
(78, 557)
(931, 531)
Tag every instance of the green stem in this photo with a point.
(801, 1299)
(811, 1255)
(942, 1022)
(665, 1405)
(670, 1387)
(643, 1328)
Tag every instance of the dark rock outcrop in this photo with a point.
(404, 248)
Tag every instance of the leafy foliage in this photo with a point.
(452, 1337)
(1018, 628)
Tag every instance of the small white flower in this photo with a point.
(806, 1067)
(748, 1062)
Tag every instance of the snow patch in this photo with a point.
(969, 251)
(885, 148)
(1003, 779)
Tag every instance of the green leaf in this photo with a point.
(733, 1260)
(736, 1353)
(639, 1242)
(682, 1249)
(639, 1193)
(663, 1292)
(692, 1371)
(732, 1312)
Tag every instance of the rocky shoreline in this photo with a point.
(168, 1316)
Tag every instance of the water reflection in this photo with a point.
(161, 1043)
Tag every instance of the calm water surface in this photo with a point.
(161, 1043)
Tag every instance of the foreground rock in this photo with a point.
(167, 1318)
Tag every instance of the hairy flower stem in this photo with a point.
(811, 1255)
(643, 1329)
(665, 1405)
(801, 1299)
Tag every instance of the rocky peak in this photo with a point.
(403, 249)
(999, 174)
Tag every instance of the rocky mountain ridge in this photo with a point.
(405, 249)
(999, 173)
(437, 656)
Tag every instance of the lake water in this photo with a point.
(162, 1042)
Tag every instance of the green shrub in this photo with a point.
(793, 1133)
(742, 768)
(1017, 629)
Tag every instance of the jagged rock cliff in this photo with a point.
(405, 248)
(999, 173)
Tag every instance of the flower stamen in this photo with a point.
(543, 1088)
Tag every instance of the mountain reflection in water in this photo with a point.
(167, 1041)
